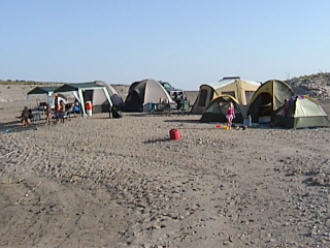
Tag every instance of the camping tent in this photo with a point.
(217, 109)
(47, 92)
(301, 112)
(116, 99)
(269, 97)
(42, 90)
(242, 90)
(144, 92)
(91, 91)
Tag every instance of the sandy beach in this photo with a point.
(100, 182)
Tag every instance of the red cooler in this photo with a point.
(89, 108)
(175, 134)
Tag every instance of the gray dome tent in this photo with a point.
(116, 99)
(143, 92)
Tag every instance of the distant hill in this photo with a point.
(27, 82)
(315, 85)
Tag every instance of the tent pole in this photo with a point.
(26, 101)
(82, 103)
(107, 96)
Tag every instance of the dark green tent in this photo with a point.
(217, 109)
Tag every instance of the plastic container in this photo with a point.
(225, 127)
(175, 134)
(89, 108)
(249, 124)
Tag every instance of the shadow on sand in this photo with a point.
(184, 121)
(16, 126)
(156, 140)
(144, 114)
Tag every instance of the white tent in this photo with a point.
(83, 92)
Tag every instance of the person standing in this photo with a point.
(62, 110)
(48, 114)
(57, 107)
(230, 116)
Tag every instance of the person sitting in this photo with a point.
(25, 117)
(76, 107)
(69, 110)
(31, 116)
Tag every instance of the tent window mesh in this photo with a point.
(248, 95)
(202, 98)
(231, 93)
(217, 108)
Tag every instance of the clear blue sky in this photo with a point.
(184, 42)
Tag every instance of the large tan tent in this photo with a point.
(240, 89)
(268, 99)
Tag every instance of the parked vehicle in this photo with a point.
(176, 94)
